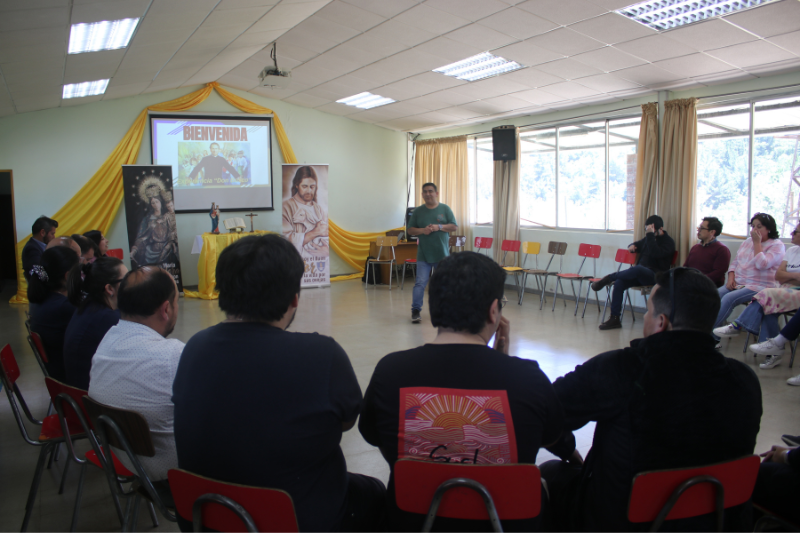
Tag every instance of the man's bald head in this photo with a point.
(69, 242)
(143, 291)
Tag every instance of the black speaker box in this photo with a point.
(504, 144)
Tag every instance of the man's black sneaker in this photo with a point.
(415, 317)
(791, 440)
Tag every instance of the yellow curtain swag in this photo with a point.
(96, 204)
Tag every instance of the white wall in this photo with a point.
(55, 151)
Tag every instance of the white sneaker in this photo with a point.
(768, 347)
(794, 381)
(771, 362)
(727, 331)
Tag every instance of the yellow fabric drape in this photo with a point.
(678, 183)
(506, 205)
(646, 168)
(352, 247)
(445, 162)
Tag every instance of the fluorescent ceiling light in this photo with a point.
(666, 14)
(478, 67)
(103, 35)
(87, 88)
(365, 100)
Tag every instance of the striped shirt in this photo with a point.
(757, 272)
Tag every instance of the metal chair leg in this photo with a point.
(153, 515)
(544, 289)
(577, 298)
(586, 300)
(37, 477)
(77, 507)
(64, 476)
(366, 277)
(746, 343)
(555, 293)
(605, 307)
(403, 281)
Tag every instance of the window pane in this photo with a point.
(484, 181)
(722, 166)
(623, 139)
(775, 154)
(538, 178)
(581, 168)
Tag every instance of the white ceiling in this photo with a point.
(575, 52)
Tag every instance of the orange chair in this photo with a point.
(116, 252)
(258, 508)
(513, 247)
(483, 243)
(685, 493)
(466, 491)
(586, 251)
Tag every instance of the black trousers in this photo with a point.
(777, 489)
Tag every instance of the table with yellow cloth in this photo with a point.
(213, 244)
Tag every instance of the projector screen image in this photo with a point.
(224, 160)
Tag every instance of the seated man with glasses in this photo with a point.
(710, 256)
(670, 400)
(456, 399)
(655, 255)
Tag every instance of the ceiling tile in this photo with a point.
(632, 92)
(770, 19)
(33, 53)
(398, 110)
(507, 103)
(481, 37)
(489, 88)
(350, 16)
(566, 41)
(313, 76)
(21, 67)
(404, 90)
(646, 75)
(693, 65)
(12, 5)
(369, 116)
(338, 109)
(334, 62)
(729, 76)
(378, 73)
(384, 8)
(31, 19)
(430, 102)
(470, 9)
(239, 4)
(448, 50)
(394, 31)
(612, 28)
(527, 53)
(190, 8)
(108, 10)
(404, 124)
(263, 38)
(70, 102)
(607, 83)
(612, 5)
(532, 77)
(518, 23)
(751, 54)
(430, 19)
(134, 75)
(347, 85)
(775, 68)
(569, 89)
(460, 113)
(36, 103)
(306, 100)
(788, 41)
(274, 93)
(46, 77)
(413, 61)
(710, 34)
(608, 59)
(483, 107)
(19, 92)
(675, 85)
(563, 12)
(241, 18)
(438, 81)
(568, 69)
(538, 97)
(655, 48)
(15, 40)
(122, 90)
(297, 53)
(441, 99)
(239, 82)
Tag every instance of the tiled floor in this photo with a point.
(368, 324)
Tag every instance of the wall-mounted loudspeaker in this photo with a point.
(504, 143)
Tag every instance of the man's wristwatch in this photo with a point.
(440, 227)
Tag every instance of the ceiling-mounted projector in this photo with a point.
(274, 77)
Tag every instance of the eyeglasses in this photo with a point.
(672, 290)
(701, 228)
(503, 302)
(795, 232)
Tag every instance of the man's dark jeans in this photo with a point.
(624, 280)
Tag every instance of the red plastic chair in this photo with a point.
(645, 290)
(50, 433)
(260, 509)
(466, 491)
(623, 257)
(115, 252)
(513, 247)
(483, 243)
(586, 251)
(689, 492)
(39, 352)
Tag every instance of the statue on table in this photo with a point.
(157, 239)
(214, 214)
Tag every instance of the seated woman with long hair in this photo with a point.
(761, 315)
(48, 289)
(97, 237)
(92, 288)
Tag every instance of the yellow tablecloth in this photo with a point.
(213, 244)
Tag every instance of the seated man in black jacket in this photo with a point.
(655, 255)
(669, 401)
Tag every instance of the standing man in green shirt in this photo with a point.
(430, 223)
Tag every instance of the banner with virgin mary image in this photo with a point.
(305, 219)
(150, 216)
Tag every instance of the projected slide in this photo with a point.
(225, 160)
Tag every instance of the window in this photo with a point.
(728, 187)
(582, 176)
(537, 200)
(481, 169)
(623, 140)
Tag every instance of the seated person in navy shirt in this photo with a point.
(258, 405)
(47, 288)
(93, 290)
(461, 400)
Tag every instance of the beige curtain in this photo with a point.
(646, 169)
(445, 162)
(678, 184)
(506, 205)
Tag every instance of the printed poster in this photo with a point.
(150, 217)
(305, 219)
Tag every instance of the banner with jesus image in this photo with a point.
(305, 219)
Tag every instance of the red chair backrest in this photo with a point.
(8, 365)
(271, 509)
(589, 250)
(116, 252)
(483, 242)
(674, 258)
(625, 257)
(515, 488)
(510, 246)
(37, 341)
(651, 490)
(55, 387)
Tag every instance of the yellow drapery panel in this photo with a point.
(445, 162)
(646, 169)
(677, 187)
(352, 247)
